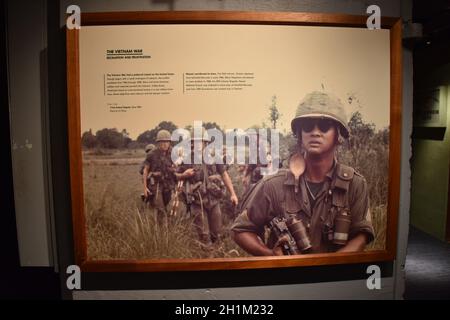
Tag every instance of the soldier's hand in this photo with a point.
(278, 247)
(189, 172)
(146, 192)
(277, 251)
(234, 199)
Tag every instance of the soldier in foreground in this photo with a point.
(204, 188)
(159, 174)
(319, 205)
(148, 150)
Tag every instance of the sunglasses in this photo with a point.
(308, 125)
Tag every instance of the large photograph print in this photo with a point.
(212, 146)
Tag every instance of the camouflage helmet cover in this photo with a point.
(321, 105)
(163, 135)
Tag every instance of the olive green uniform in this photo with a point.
(206, 188)
(145, 162)
(161, 185)
(343, 190)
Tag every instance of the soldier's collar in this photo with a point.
(332, 170)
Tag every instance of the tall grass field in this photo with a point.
(121, 226)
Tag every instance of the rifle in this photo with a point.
(189, 196)
(150, 186)
(279, 227)
(190, 189)
(176, 201)
(293, 230)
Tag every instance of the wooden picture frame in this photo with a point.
(255, 18)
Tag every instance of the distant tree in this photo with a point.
(89, 140)
(383, 136)
(166, 125)
(274, 114)
(212, 125)
(361, 131)
(146, 137)
(110, 138)
(149, 136)
(126, 138)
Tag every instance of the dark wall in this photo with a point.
(56, 76)
(17, 282)
(430, 164)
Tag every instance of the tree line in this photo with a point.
(111, 138)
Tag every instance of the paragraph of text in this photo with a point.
(127, 84)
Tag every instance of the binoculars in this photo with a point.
(294, 230)
(299, 233)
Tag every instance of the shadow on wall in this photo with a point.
(428, 133)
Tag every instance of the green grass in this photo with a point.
(120, 226)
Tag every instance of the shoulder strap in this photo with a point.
(205, 177)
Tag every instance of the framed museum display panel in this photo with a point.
(233, 140)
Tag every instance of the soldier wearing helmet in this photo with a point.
(253, 172)
(148, 150)
(158, 174)
(329, 199)
(205, 185)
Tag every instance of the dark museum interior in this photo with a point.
(37, 227)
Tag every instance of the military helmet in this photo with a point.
(150, 147)
(321, 105)
(204, 137)
(163, 135)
